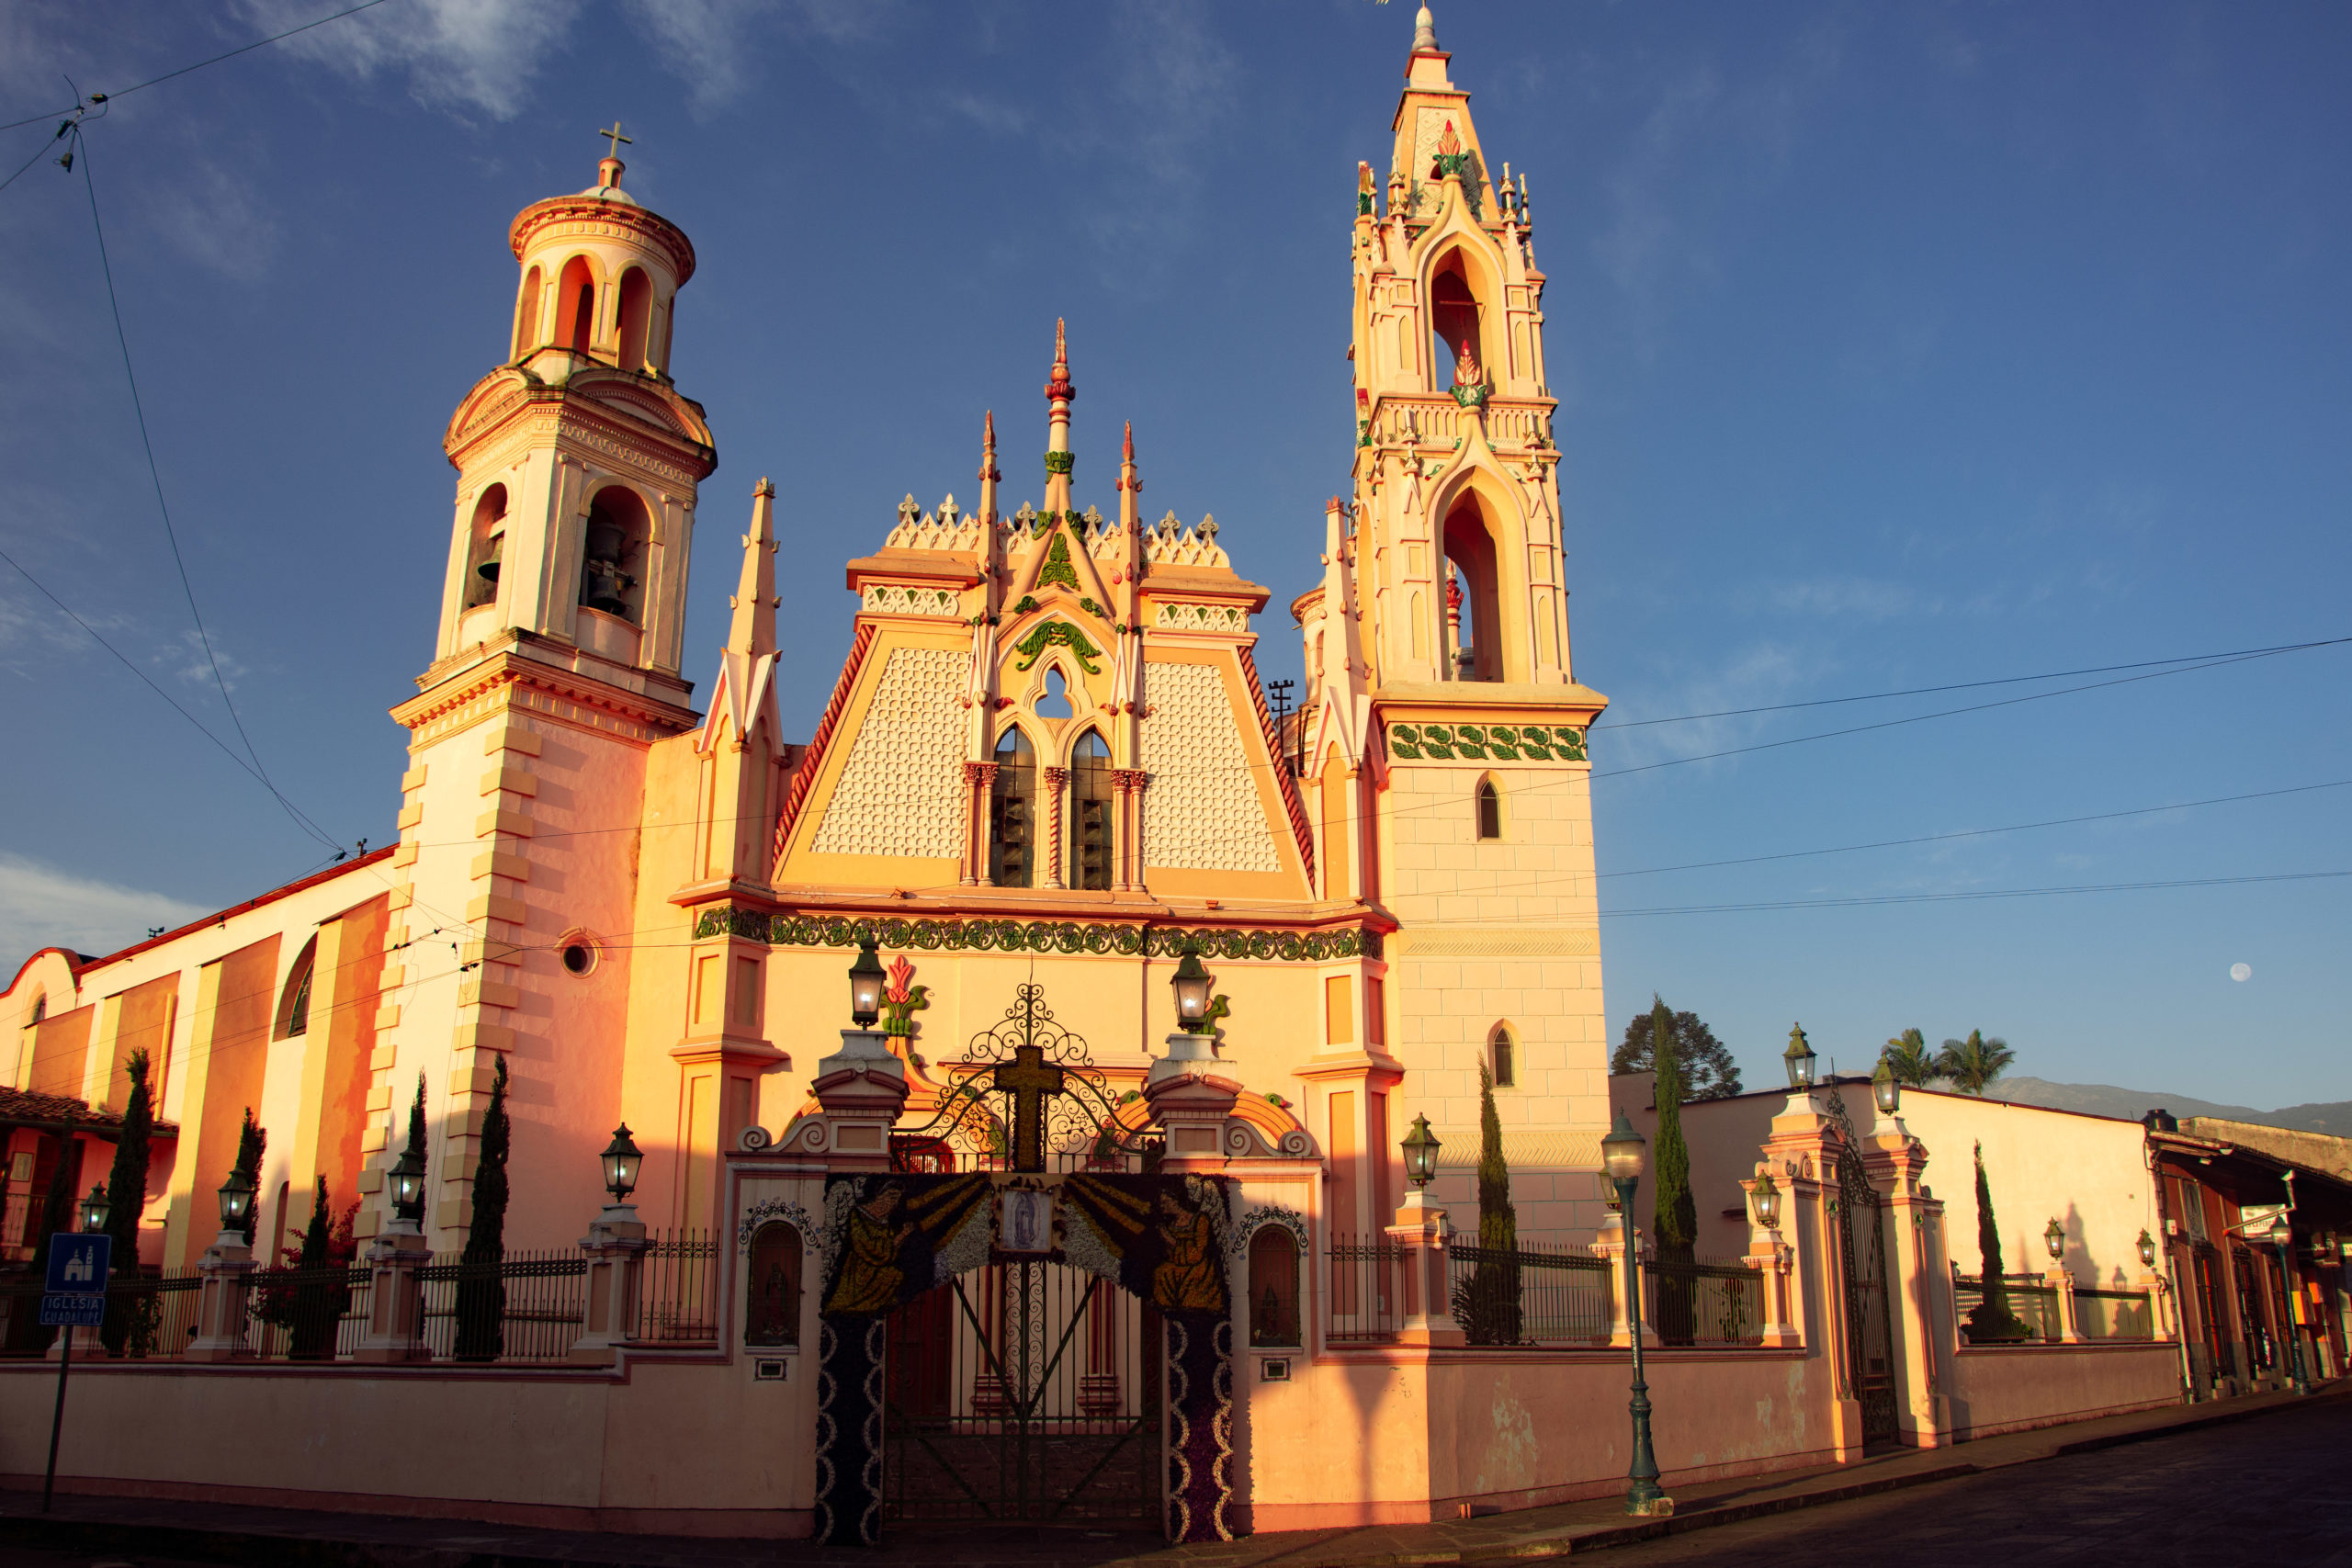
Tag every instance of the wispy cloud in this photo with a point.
(1842, 598)
(41, 906)
(477, 57)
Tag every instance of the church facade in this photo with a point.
(1047, 756)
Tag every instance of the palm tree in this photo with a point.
(1912, 1062)
(1973, 1063)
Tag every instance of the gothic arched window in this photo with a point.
(636, 315)
(1454, 319)
(1502, 1057)
(1491, 810)
(1090, 812)
(1273, 1287)
(1013, 813)
(772, 1303)
(1476, 650)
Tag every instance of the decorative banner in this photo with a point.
(889, 1238)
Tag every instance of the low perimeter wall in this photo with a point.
(695, 1446)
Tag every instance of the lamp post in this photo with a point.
(865, 981)
(1799, 1059)
(1622, 1154)
(2282, 1236)
(92, 1211)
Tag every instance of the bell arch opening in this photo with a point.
(635, 317)
(527, 314)
(1457, 325)
(486, 547)
(575, 304)
(1013, 812)
(1474, 643)
(612, 571)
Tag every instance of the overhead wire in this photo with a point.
(1971, 895)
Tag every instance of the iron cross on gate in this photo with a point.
(1028, 1079)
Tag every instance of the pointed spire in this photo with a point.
(754, 628)
(988, 475)
(1058, 394)
(1130, 487)
(1425, 33)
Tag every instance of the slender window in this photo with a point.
(637, 305)
(526, 316)
(1491, 810)
(772, 1313)
(575, 304)
(1013, 813)
(1505, 1059)
(1273, 1287)
(294, 1007)
(1090, 811)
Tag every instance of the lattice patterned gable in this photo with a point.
(1203, 810)
(901, 792)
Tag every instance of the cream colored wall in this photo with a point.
(1996, 1389)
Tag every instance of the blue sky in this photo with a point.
(1897, 345)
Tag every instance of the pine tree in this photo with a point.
(1991, 1320)
(481, 1293)
(1706, 1064)
(127, 1200)
(1487, 1305)
(1675, 1224)
(251, 1141)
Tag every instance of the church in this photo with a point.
(1046, 1091)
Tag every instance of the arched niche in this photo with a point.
(1273, 1277)
(771, 1284)
(575, 305)
(485, 547)
(636, 318)
(526, 312)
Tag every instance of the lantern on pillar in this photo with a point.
(2054, 1237)
(1192, 984)
(865, 980)
(1799, 1059)
(93, 1210)
(1885, 1088)
(621, 1158)
(1421, 1148)
(236, 1200)
(2147, 1249)
(408, 1187)
(1765, 1195)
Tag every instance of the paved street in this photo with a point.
(2275, 1491)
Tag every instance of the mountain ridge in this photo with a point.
(2332, 1117)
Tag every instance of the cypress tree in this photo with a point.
(317, 1304)
(126, 1199)
(251, 1141)
(1990, 1319)
(26, 1332)
(1487, 1305)
(1676, 1221)
(481, 1293)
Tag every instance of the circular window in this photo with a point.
(579, 952)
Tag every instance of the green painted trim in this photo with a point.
(1034, 646)
(1059, 462)
(1057, 568)
(1479, 743)
(1036, 936)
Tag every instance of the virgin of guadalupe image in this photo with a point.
(870, 1279)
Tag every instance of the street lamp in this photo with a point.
(1192, 983)
(236, 1201)
(2282, 1236)
(865, 979)
(1885, 1088)
(94, 1210)
(1421, 1148)
(2054, 1238)
(408, 1187)
(621, 1159)
(1622, 1154)
(1766, 1195)
(1799, 1059)
(2147, 1249)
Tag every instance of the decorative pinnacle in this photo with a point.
(1058, 387)
(1127, 481)
(988, 447)
(1425, 33)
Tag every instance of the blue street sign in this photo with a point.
(77, 1263)
(73, 1312)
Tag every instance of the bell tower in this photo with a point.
(555, 671)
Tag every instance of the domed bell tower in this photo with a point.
(555, 671)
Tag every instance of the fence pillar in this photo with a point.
(1420, 1234)
(1917, 1283)
(616, 1244)
(862, 1088)
(2061, 1289)
(1611, 1245)
(1190, 1092)
(2163, 1322)
(1771, 1257)
(220, 1330)
(395, 1296)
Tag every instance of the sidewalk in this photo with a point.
(278, 1538)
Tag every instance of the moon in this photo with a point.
(2240, 972)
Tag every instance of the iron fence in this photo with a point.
(522, 1307)
(678, 1291)
(150, 1315)
(1529, 1295)
(2033, 1301)
(1714, 1305)
(308, 1314)
(1367, 1274)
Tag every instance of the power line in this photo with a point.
(1954, 686)
(152, 81)
(1870, 899)
(155, 474)
(1976, 832)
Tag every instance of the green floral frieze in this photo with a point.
(1059, 462)
(1033, 936)
(1481, 743)
(1034, 645)
(1057, 568)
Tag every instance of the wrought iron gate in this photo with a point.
(1870, 1330)
(1024, 1392)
